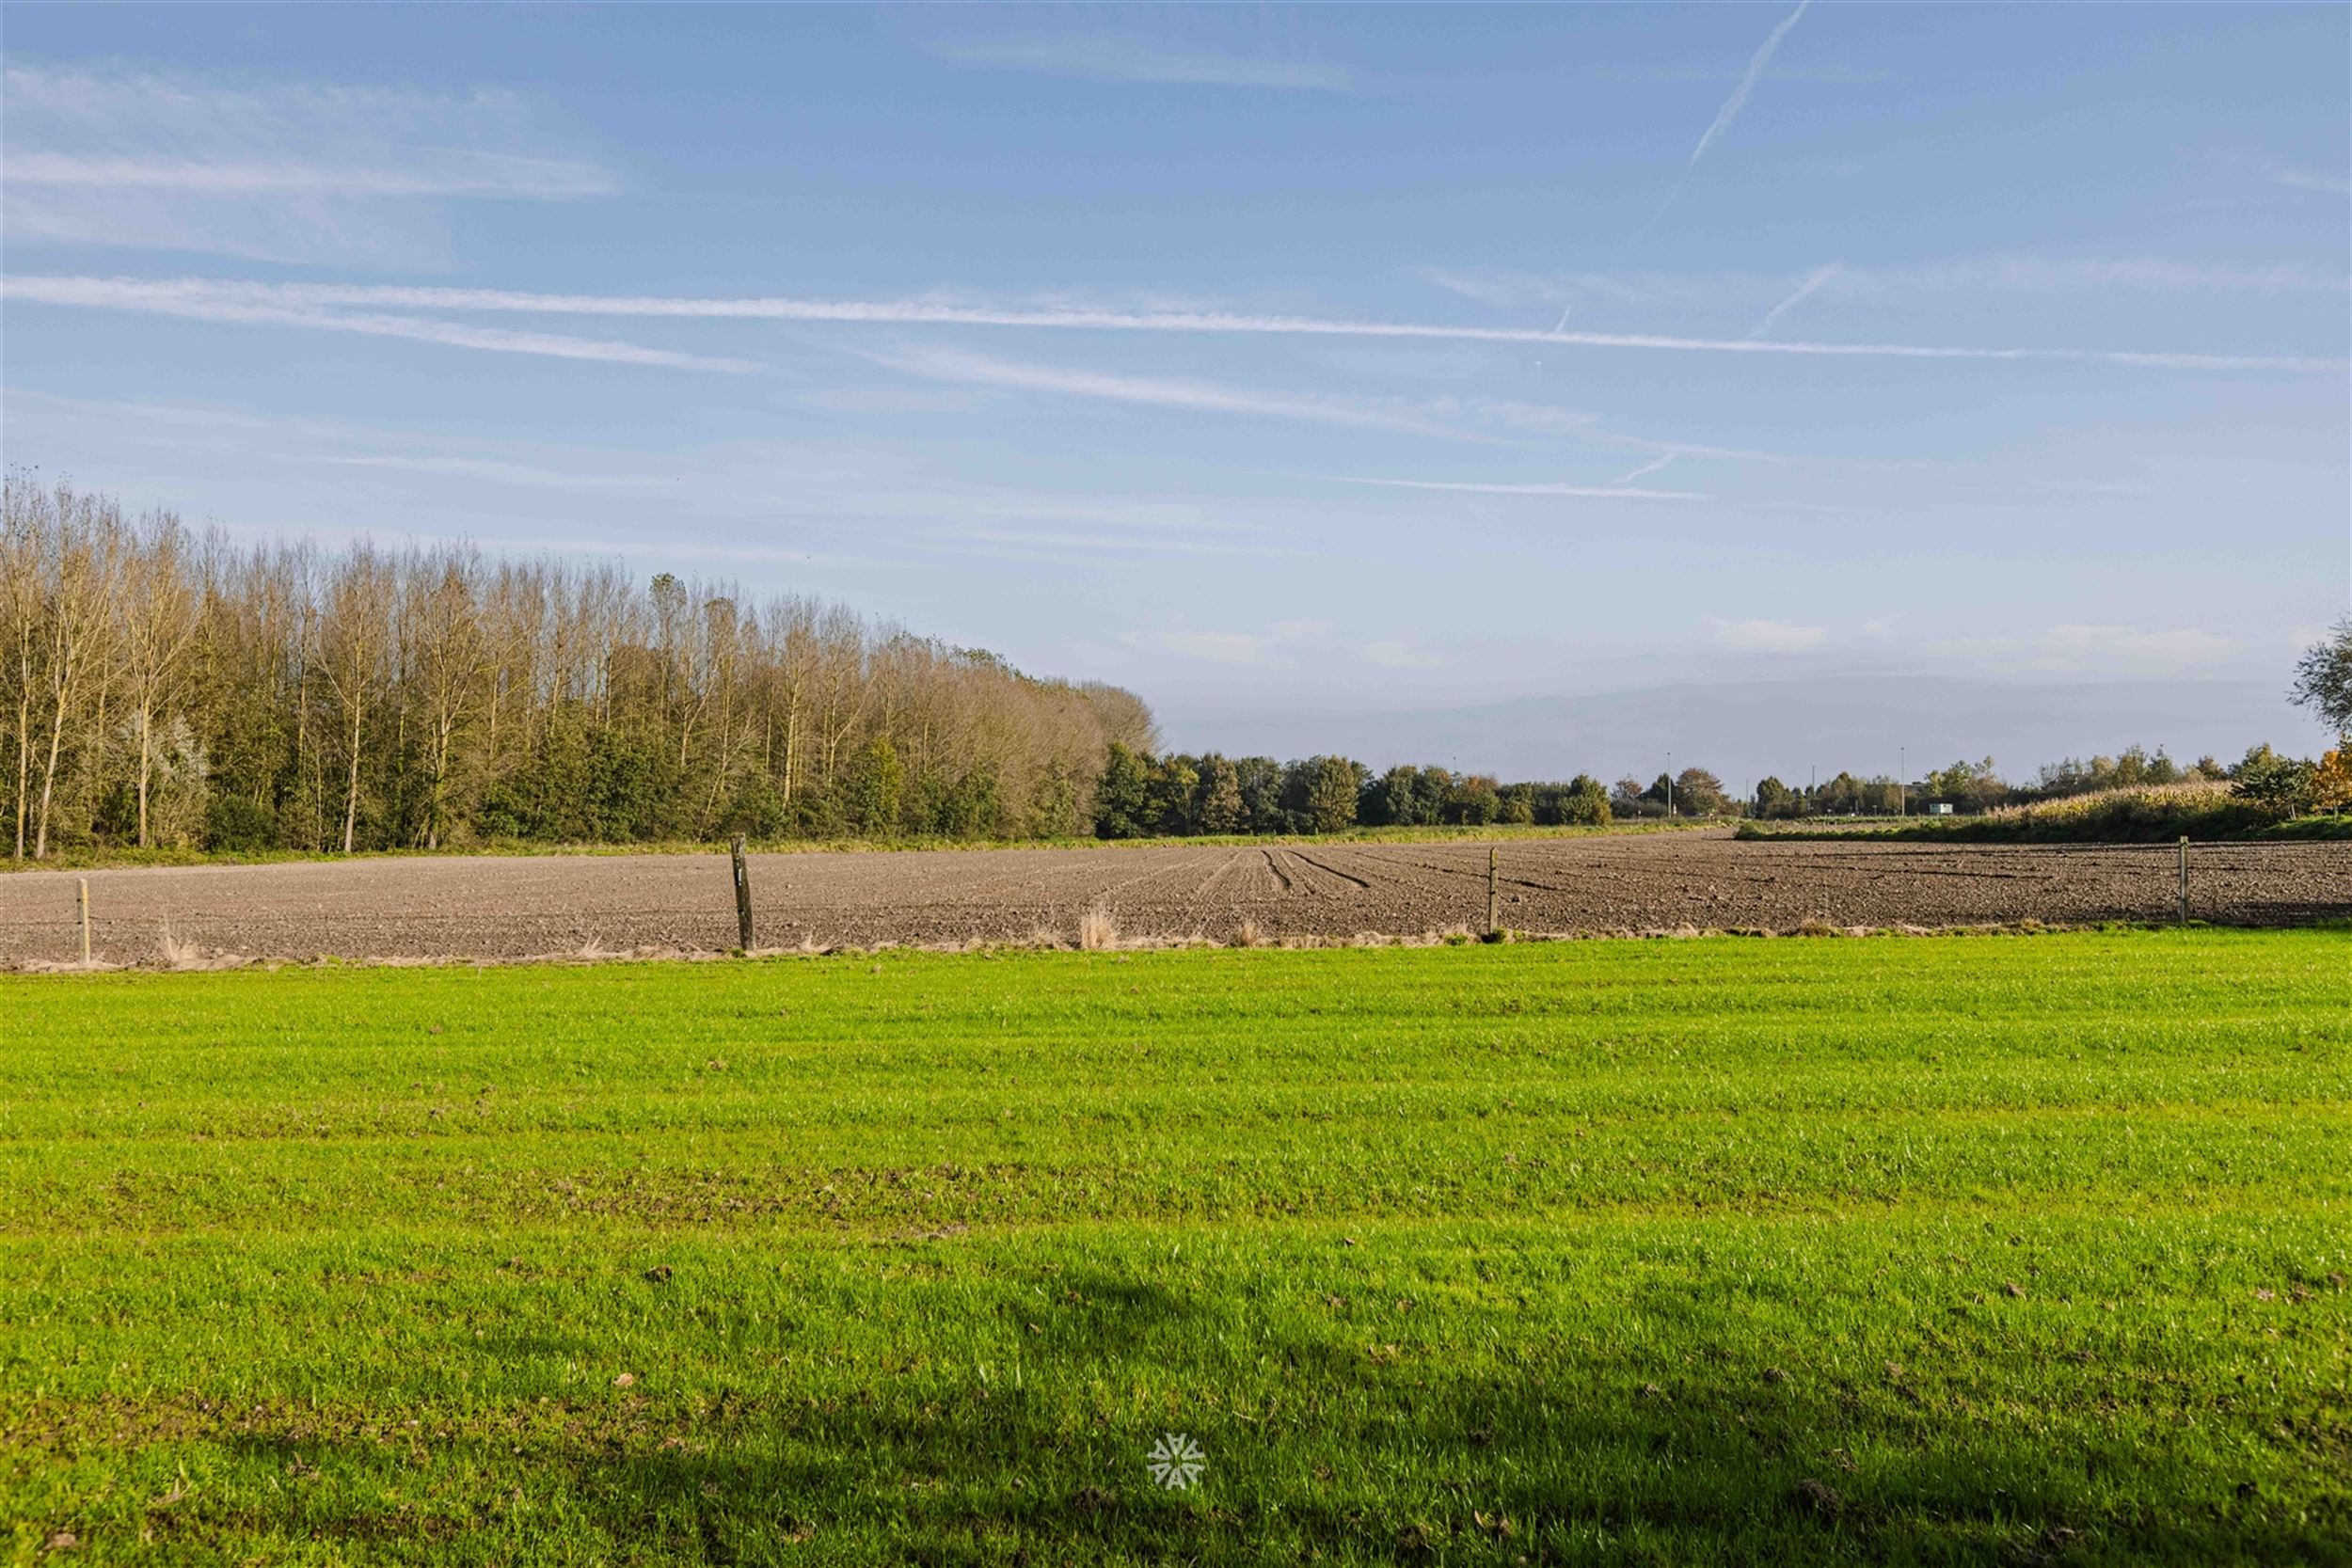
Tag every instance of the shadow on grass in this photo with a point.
(1349, 1464)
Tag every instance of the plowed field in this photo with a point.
(514, 906)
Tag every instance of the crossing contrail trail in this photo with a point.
(1730, 112)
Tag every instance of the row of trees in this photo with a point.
(161, 686)
(2287, 786)
(1143, 796)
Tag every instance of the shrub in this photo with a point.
(235, 825)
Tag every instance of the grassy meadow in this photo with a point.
(1989, 1249)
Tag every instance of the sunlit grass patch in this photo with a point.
(2008, 1249)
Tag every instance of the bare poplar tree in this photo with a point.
(358, 633)
(158, 622)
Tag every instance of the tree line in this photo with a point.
(161, 685)
(1142, 796)
(164, 687)
(2287, 786)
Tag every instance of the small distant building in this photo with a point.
(1939, 808)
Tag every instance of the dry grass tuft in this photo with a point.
(1248, 934)
(1097, 930)
(176, 953)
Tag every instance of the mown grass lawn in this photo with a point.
(1983, 1249)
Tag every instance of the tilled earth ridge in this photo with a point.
(508, 907)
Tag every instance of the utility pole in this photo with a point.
(1670, 786)
(1902, 782)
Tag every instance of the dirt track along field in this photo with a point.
(517, 907)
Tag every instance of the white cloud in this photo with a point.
(2012, 274)
(2184, 647)
(2305, 179)
(1401, 655)
(1102, 57)
(2078, 647)
(473, 174)
(931, 312)
(107, 155)
(956, 365)
(170, 449)
(1284, 644)
(1768, 636)
(492, 470)
(165, 299)
(1063, 543)
(1480, 488)
(2086, 273)
(1214, 647)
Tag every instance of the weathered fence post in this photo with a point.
(84, 881)
(1493, 904)
(743, 894)
(2184, 920)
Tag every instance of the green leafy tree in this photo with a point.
(1473, 800)
(875, 785)
(2323, 680)
(1388, 801)
(1261, 781)
(2280, 786)
(1332, 787)
(1699, 793)
(1975, 786)
(1169, 796)
(1120, 807)
(1585, 803)
(1218, 806)
(973, 806)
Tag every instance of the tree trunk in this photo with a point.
(351, 795)
(49, 778)
(23, 755)
(146, 750)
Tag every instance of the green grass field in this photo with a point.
(2024, 1249)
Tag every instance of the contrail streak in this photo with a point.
(1738, 98)
(166, 296)
(1730, 112)
(1812, 280)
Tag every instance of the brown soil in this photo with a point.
(508, 907)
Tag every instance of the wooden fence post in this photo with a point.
(1492, 900)
(743, 894)
(84, 881)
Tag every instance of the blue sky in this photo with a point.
(1283, 365)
